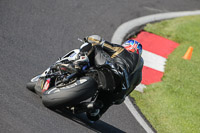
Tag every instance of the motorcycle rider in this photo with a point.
(123, 71)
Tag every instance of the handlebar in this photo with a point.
(54, 74)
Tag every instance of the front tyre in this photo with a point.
(31, 86)
(72, 94)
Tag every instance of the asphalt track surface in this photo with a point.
(34, 33)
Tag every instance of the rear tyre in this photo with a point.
(31, 86)
(93, 118)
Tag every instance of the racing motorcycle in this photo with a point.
(59, 86)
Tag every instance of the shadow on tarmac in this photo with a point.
(98, 126)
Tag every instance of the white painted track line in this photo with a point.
(137, 116)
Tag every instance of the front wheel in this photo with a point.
(69, 95)
(31, 86)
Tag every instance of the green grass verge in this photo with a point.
(173, 105)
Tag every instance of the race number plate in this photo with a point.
(46, 85)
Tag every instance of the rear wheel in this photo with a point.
(93, 118)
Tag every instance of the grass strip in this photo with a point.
(173, 105)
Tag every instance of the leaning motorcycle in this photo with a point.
(59, 86)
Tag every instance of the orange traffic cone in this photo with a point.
(188, 54)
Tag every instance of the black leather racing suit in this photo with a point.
(126, 67)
